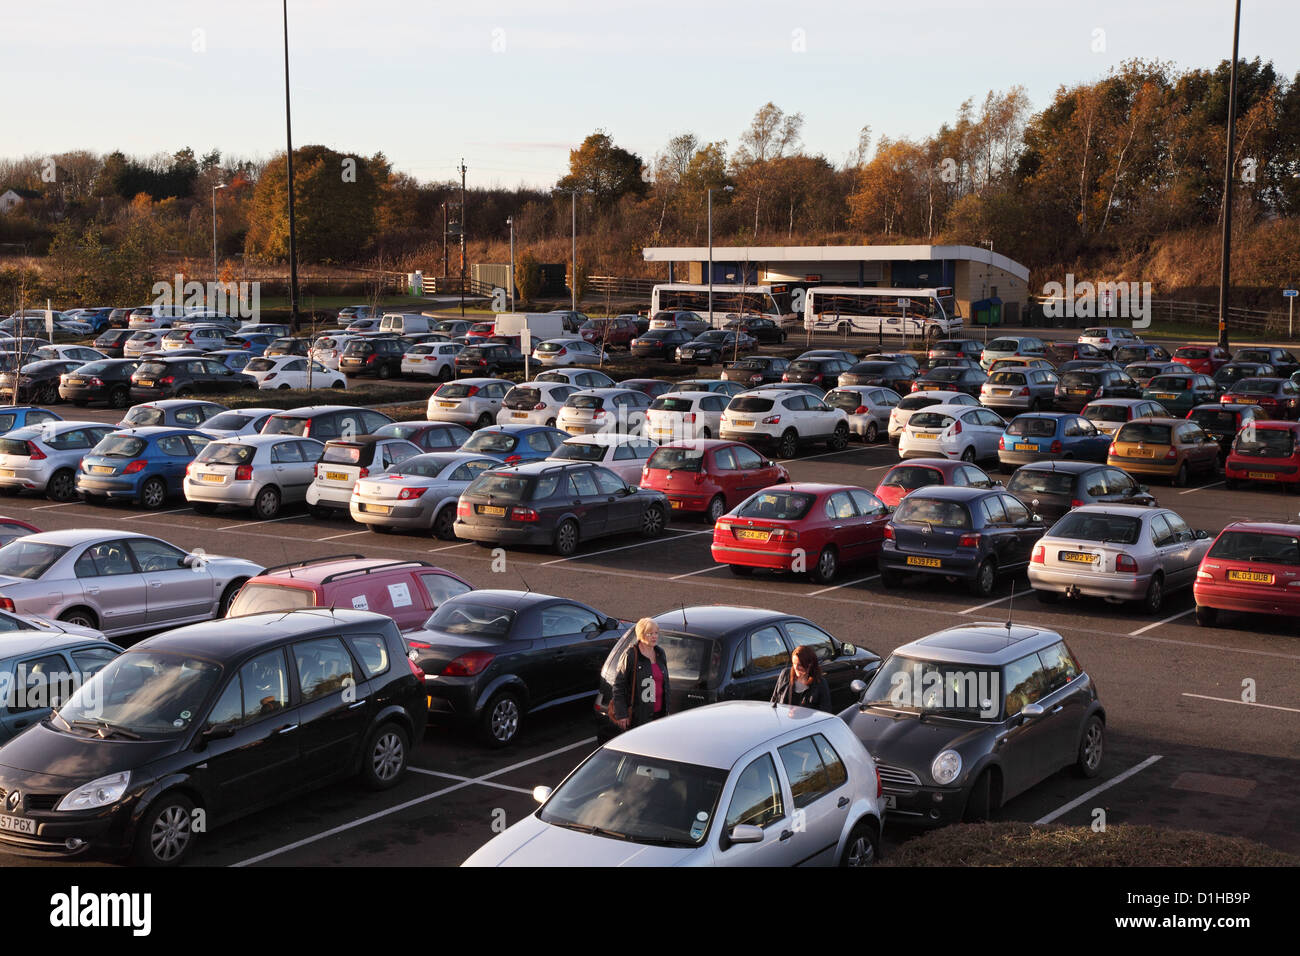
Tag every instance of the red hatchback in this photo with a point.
(1206, 359)
(709, 476)
(805, 528)
(916, 473)
(1264, 451)
(482, 330)
(1252, 567)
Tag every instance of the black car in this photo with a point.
(324, 422)
(37, 382)
(821, 371)
(112, 341)
(966, 380)
(755, 370)
(182, 377)
(974, 534)
(765, 331)
(224, 717)
(720, 653)
(430, 436)
(660, 343)
(495, 656)
(556, 506)
(711, 347)
(956, 348)
(1284, 362)
(1232, 373)
(1222, 422)
(107, 381)
(489, 359)
(891, 375)
(287, 345)
(1128, 354)
(961, 721)
(1051, 488)
(1078, 387)
(1144, 372)
(1059, 353)
(380, 356)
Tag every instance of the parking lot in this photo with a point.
(1184, 750)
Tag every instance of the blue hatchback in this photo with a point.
(24, 416)
(1049, 436)
(971, 534)
(143, 464)
(515, 444)
(254, 343)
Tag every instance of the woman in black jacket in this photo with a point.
(803, 684)
(642, 680)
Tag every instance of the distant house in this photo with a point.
(15, 196)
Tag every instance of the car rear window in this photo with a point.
(1080, 379)
(1092, 526)
(806, 365)
(144, 415)
(1265, 442)
(750, 403)
(677, 459)
(119, 446)
(1144, 432)
(1212, 419)
(946, 373)
(1106, 413)
(849, 401)
(1169, 383)
(255, 598)
(228, 420)
(777, 505)
(1255, 386)
(751, 364)
(1032, 427)
(1002, 345)
(472, 618)
(913, 402)
(1007, 378)
(341, 454)
(1192, 352)
(585, 401)
(938, 514)
(1260, 546)
(579, 451)
(260, 365)
(1041, 482)
(912, 476)
(929, 420)
(501, 485)
(671, 403)
(219, 453)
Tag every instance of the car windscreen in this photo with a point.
(147, 694)
(255, 598)
(936, 687)
(912, 476)
(1259, 546)
(1094, 526)
(777, 505)
(471, 618)
(639, 799)
(1256, 442)
(118, 446)
(29, 559)
(145, 415)
(750, 404)
(1144, 432)
(933, 512)
(220, 453)
(1035, 481)
(1032, 427)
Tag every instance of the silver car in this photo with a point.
(262, 472)
(238, 421)
(140, 343)
(473, 402)
(868, 408)
(1108, 415)
(712, 786)
(1117, 552)
(534, 403)
(422, 497)
(624, 455)
(1019, 389)
(117, 581)
(604, 410)
(44, 458)
(580, 377)
(171, 412)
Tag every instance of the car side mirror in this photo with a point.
(541, 794)
(1201, 535)
(1031, 711)
(848, 650)
(743, 833)
(609, 624)
(1037, 518)
(858, 688)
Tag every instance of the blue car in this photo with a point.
(254, 343)
(1050, 436)
(515, 444)
(972, 534)
(24, 416)
(233, 359)
(143, 464)
(37, 667)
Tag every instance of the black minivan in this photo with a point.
(208, 723)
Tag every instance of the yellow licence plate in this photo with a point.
(742, 423)
(1167, 397)
(1246, 401)
(491, 510)
(145, 383)
(446, 404)
(754, 535)
(210, 477)
(923, 562)
(76, 381)
(102, 469)
(1254, 577)
(1078, 557)
(518, 414)
(336, 475)
(1250, 474)
(920, 436)
(6, 472)
(1020, 446)
(676, 504)
(378, 509)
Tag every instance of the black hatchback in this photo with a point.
(720, 653)
(158, 378)
(204, 724)
(373, 355)
(112, 341)
(755, 370)
(489, 360)
(1051, 488)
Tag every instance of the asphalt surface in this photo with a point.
(1183, 749)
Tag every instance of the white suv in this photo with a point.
(784, 418)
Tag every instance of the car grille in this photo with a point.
(32, 801)
(893, 778)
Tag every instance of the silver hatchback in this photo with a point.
(1019, 389)
(421, 496)
(473, 402)
(262, 472)
(44, 458)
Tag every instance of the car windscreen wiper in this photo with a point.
(594, 830)
(98, 723)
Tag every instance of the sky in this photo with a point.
(511, 86)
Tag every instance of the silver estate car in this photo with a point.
(739, 783)
(44, 458)
(1019, 389)
(117, 581)
(868, 408)
(1117, 552)
(473, 402)
(421, 496)
(262, 472)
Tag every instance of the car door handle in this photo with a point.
(786, 834)
(357, 704)
(843, 802)
(92, 590)
(20, 723)
(287, 728)
(155, 584)
(1058, 708)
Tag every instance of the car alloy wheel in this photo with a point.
(840, 439)
(154, 493)
(443, 522)
(828, 565)
(62, 486)
(387, 755)
(1091, 748)
(873, 433)
(969, 454)
(985, 576)
(484, 421)
(789, 445)
(119, 397)
(1155, 596)
(717, 508)
(652, 522)
(501, 719)
(566, 538)
(81, 617)
(862, 848)
(166, 834)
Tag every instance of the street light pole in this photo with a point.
(444, 240)
(288, 158)
(511, 223)
(573, 276)
(462, 238)
(1225, 263)
(215, 275)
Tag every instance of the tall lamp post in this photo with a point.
(573, 252)
(511, 223)
(1224, 265)
(215, 276)
(710, 194)
(288, 158)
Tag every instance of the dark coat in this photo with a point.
(817, 695)
(642, 710)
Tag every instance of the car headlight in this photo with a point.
(946, 767)
(97, 793)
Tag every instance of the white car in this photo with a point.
(140, 343)
(604, 410)
(714, 786)
(473, 402)
(900, 413)
(952, 432)
(238, 422)
(868, 406)
(785, 419)
(624, 455)
(344, 461)
(679, 416)
(328, 348)
(70, 353)
(431, 360)
(568, 351)
(581, 377)
(534, 403)
(1109, 338)
(290, 371)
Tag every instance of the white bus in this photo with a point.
(910, 313)
(729, 302)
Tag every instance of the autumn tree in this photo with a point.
(607, 170)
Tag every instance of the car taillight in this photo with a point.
(269, 376)
(889, 532)
(539, 407)
(860, 410)
(371, 358)
(7, 604)
(514, 459)
(189, 337)
(916, 386)
(34, 453)
(1126, 562)
(315, 469)
(968, 541)
(464, 509)
(772, 420)
(956, 428)
(96, 382)
(467, 665)
(135, 466)
(1171, 454)
(1024, 392)
(523, 514)
(416, 671)
(787, 535)
(364, 473)
(1038, 555)
(244, 473)
(1057, 447)
(1076, 502)
(410, 494)
(756, 378)
(473, 390)
(1111, 449)
(562, 352)
(689, 417)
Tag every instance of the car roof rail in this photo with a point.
(312, 561)
(387, 566)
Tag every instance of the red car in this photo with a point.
(916, 473)
(481, 330)
(1253, 567)
(612, 333)
(12, 529)
(709, 476)
(1206, 359)
(803, 527)
(1264, 451)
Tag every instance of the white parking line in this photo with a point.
(448, 547)
(846, 584)
(61, 504)
(639, 544)
(677, 577)
(980, 607)
(456, 776)
(1172, 617)
(828, 454)
(1096, 790)
(346, 534)
(1192, 491)
(249, 524)
(404, 806)
(1244, 703)
(154, 514)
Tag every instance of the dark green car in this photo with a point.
(1180, 393)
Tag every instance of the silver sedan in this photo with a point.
(44, 458)
(422, 494)
(116, 581)
(262, 472)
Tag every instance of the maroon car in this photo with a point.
(915, 473)
(654, 387)
(615, 333)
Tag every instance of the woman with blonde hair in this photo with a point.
(640, 692)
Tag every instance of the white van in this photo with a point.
(405, 323)
(541, 325)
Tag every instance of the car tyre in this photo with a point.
(1155, 596)
(1091, 747)
(863, 845)
(443, 523)
(827, 566)
(717, 508)
(873, 433)
(383, 760)
(1206, 616)
(320, 512)
(969, 454)
(979, 802)
(153, 494)
(788, 446)
(81, 616)
(228, 596)
(566, 538)
(985, 577)
(119, 397)
(62, 486)
(267, 503)
(165, 835)
(1180, 477)
(499, 724)
(484, 421)
(652, 522)
(840, 439)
